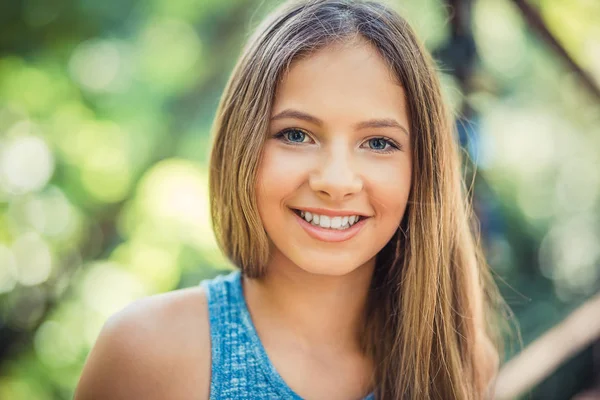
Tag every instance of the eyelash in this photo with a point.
(393, 146)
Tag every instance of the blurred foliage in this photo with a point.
(105, 112)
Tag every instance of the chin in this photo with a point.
(330, 267)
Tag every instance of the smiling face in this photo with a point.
(338, 155)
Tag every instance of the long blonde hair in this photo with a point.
(428, 317)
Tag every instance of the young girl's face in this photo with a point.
(338, 148)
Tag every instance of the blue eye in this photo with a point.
(295, 136)
(378, 144)
(382, 145)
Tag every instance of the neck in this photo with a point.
(318, 311)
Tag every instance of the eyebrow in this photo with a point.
(371, 123)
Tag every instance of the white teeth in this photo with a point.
(324, 221)
(308, 216)
(336, 222)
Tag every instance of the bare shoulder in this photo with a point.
(156, 348)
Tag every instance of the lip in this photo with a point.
(331, 213)
(330, 235)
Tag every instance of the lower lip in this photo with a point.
(330, 235)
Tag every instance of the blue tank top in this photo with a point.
(241, 369)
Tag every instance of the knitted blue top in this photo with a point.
(241, 368)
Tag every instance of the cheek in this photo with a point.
(389, 191)
(280, 173)
(389, 187)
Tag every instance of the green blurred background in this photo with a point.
(105, 115)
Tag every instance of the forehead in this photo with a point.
(351, 77)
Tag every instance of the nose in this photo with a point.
(336, 179)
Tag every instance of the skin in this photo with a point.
(307, 308)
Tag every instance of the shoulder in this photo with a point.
(157, 347)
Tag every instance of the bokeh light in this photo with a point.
(33, 259)
(26, 163)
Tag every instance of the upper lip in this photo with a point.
(332, 213)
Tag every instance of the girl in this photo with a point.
(336, 190)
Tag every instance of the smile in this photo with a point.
(329, 222)
(330, 228)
